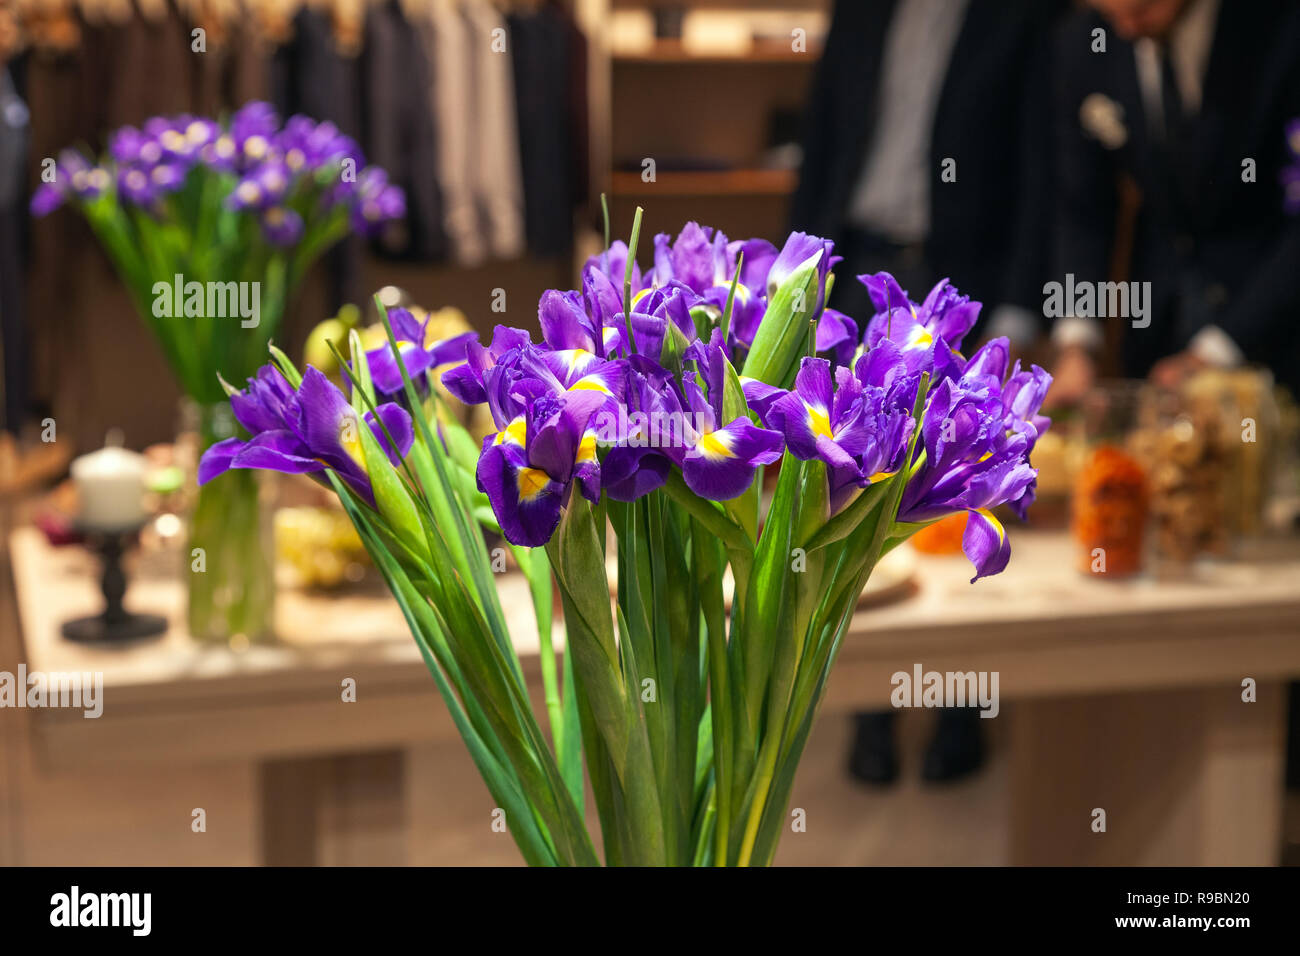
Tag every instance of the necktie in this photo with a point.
(1171, 101)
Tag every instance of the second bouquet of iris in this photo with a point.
(647, 413)
(211, 227)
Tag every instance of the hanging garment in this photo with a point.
(495, 168)
(400, 133)
(539, 43)
(445, 38)
(14, 138)
(312, 76)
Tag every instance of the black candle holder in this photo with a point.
(115, 624)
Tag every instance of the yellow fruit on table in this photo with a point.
(317, 351)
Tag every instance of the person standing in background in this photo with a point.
(926, 156)
(1189, 100)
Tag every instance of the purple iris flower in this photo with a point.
(129, 145)
(945, 314)
(638, 464)
(420, 354)
(306, 145)
(529, 467)
(253, 129)
(377, 201)
(760, 396)
(135, 185)
(179, 138)
(468, 381)
(919, 348)
(281, 226)
(798, 249)
(692, 259)
(569, 323)
(682, 425)
(719, 457)
(837, 334)
(167, 177)
(263, 186)
(612, 264)
(305, 431)
(977, 434)
(654, 310)
(73, 176)
(46, 198)
(854, 428)
(704, 261)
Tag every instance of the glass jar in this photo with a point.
(1109, 504)
(1184, 442)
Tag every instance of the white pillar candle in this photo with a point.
(110, 486)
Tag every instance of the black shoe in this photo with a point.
(957, 749)
(874, 758)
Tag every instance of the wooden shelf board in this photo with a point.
(672, 53)
(731, 182)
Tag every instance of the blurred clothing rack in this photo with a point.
(497, 121)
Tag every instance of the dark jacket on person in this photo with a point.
(989, 228)
(1210, 235)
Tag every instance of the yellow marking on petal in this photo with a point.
(532, 482)
(715, 446)
(997, 525)
(641, 295)
(350, 440)
(575, 359)
(172, 139)
(919, 338)
(590, 384)
(819, 422)
(881, 476)
(515, 433)
(255, 146)
(225, 147)
(984, 457)
(587, 447)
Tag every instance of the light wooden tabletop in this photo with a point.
(1047, 628)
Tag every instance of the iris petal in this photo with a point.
(985, 543)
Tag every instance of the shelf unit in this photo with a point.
(683, 107)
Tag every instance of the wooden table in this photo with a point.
(1120, 696)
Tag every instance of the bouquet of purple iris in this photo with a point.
(648, 413)
(211, 227)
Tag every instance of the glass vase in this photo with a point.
(230, 558)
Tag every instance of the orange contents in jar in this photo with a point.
(1110, 512)
(942, 537)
